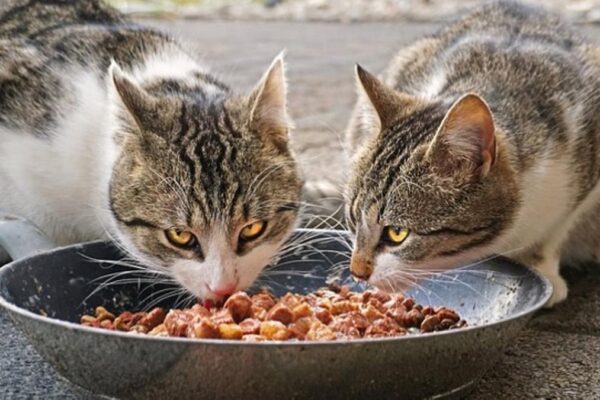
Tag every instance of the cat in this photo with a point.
(481, 139)
(108, 128)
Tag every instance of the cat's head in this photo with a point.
(205, 188)
(431, 188)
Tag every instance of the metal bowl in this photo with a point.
(45, 295)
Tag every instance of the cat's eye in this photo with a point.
(180, 238)
(253, 230)
(394, 235)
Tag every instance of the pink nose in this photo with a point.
(223, 290)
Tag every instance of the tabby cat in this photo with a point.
(481, 139)
(110, 126)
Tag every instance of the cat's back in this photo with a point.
(539, 76)
(34, 19)
(498, 47)
(46, 47)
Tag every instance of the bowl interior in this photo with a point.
(68, 282)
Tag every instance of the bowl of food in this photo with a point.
(306, 330)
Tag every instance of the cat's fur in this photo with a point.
(109, 126)
(521, 180)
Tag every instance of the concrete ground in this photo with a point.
(557, 355)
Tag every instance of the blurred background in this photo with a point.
(336, 10)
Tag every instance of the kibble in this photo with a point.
(333, 313)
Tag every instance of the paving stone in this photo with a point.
(580, 313)
(545, 365)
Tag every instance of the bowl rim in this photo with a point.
(72, 326)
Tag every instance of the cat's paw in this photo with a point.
(560, 290)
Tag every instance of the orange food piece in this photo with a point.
(274, 330)
(230, 331)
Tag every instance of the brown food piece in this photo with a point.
(177, 323)
(324, 302)
(102, 314)
(342, 307)
(154, 318)
(382, 296)
(200, 310)
(384, 327)
(446, 324)
(446, 313)
(302, 310)
(259, 313)
(427, 310)
(351, 324)
(263, 300)
(327, 314)
(408, 303)
(320, 331)
(366, 295)
(323, 315)
(136, 317)
(398, 313)
(107, 324)
(240, 306)
(206, 329)
(222, 317)
(282, 313)
(430, 323)
(413, 318)
(290, 300)
(301, 327)
(344, 292)
(377, 304)
(250, 326)
(123, 321)
(370, 312)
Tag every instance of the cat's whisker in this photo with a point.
(160, 299)
(260, 178)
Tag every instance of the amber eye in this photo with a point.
(180, 238)
(253, 230)
(394, 235)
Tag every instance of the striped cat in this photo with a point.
(106, 126)
(483, 138)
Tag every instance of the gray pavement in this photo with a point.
(557, 357)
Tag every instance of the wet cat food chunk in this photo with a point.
(333, 313)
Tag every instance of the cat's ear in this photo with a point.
(143, 107)
(466, 137)
(382, 104)
(268, 102)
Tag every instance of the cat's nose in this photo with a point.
(361, 267)
(223, 290)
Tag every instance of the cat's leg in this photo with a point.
(583, 243)
(546, 259)
(575, 242)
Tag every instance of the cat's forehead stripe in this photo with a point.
(393, 150)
